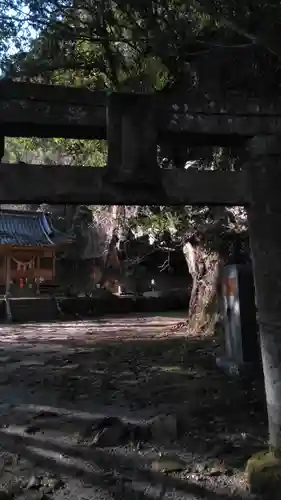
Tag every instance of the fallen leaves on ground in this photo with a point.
(172, 387)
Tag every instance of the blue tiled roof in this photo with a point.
(28, 229)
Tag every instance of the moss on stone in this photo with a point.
(264, 474)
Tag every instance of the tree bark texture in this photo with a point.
(264, 219)
(203, 265)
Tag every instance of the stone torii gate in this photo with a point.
(133, 124)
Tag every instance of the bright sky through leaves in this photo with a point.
(19, 37)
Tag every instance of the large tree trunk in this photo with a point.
(265, 236)
(203, 266)
(110, 272)
(204, 254)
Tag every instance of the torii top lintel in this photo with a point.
(28, 109)
(134, 125)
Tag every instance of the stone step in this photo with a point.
(35, 309)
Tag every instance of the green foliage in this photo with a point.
(264, 474)
(157, 220)
(57, 151)
(176, 221)
(117, 42)
(142, 46)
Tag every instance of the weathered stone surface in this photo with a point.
(168, 464)
(2, 146)
(164, 428)
(218, 468)
(87, 185)
(34, 482)
(44, 110)
(265, 145)
(264, 219)
(51, 484)
(132, 137)
(39, 486)
(109, 433)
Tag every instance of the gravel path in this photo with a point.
(58, 380)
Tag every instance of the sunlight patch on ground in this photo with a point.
(78, 415)
(62, 459)
(113, 328)
(32, 408)
(178, 369)
(45, 436)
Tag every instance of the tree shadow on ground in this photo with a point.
(117, 474)
(79, 377)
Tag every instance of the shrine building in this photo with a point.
(28, 247)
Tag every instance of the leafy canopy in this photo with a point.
(119, 43)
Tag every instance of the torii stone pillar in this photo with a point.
(132, 138)
(264, 217)
(2, 147)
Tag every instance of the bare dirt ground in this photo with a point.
(184, 430)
